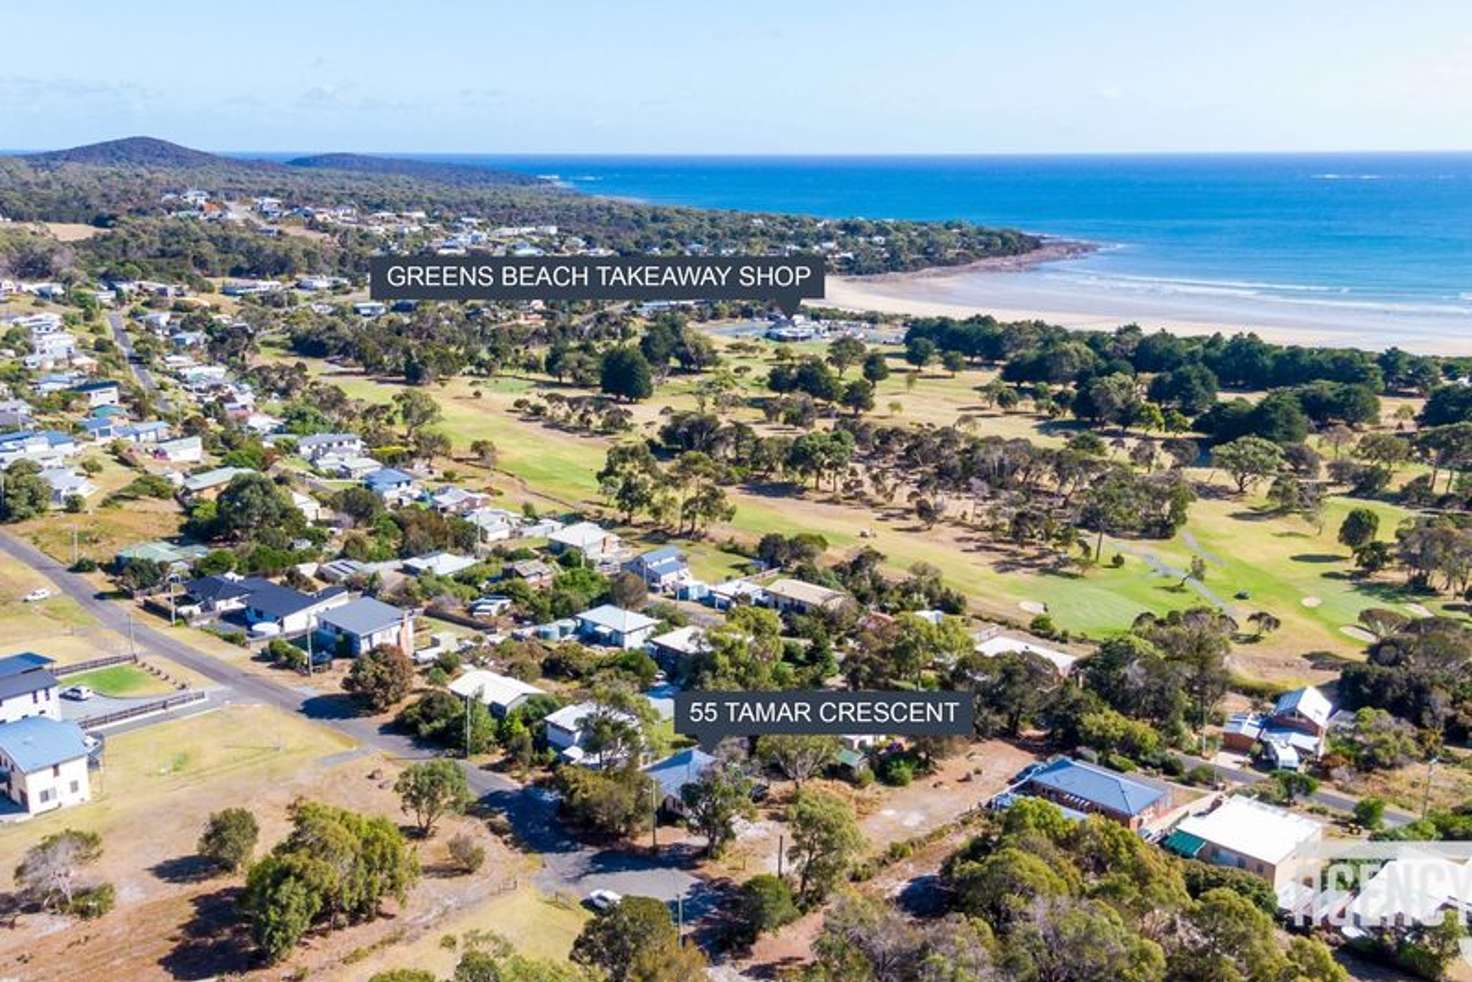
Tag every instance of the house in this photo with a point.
(500, 693)
(615, 627)
(149, 432)
(676, 771)
(184, 450)
(1247, 834)
(212, 481)
(364, 624)
(673, 649)
(1088, 787)
(101, 427)
(319, 445)
(291, 611)
(27, 688)
(660, 569)
(569, 728)
(47, 448)
(353, 467)
(998, 644)
(369, 308)
(1293, 732)
(588, 539)
(337, 570)
(535, 572)
(43, 763)
(438, 564)
(99, 393)
(1416, 888)
(392, 485)
(164, 553)
(66, 483)
(493, 524)
(724, 596)
(788, 594)
(451, 500)
(215, 595)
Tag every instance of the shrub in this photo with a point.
(764, 904)
(467, 854)
(92, 902)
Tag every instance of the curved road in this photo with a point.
(568, 864)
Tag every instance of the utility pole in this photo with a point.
(309, 651)
(132, 644)
(781, 851)
(467, 726)
(653, 819)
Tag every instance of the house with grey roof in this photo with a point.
(660, 569)
(364, 624)
(27, 687)
(43, 763)
(676, 771)
(615, 627)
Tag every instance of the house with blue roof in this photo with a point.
(661, 569)
(1087, 787)
(43, 763)
(676, 771)
(392, 485)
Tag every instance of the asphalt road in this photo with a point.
(1328, 798)
(141, 373)
(568, 864)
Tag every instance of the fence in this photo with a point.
(144, 709)
(89, 665)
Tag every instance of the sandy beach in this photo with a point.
(1048, 289)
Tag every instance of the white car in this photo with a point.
(79, 693)
(602, 900)
(40, 593)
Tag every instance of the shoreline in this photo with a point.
(1018, 288)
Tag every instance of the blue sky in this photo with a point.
(810, 76)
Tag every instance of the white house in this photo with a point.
(43, 763)
(998, 644)
(438, 564)
(365, 624)
(306, 504)
(318, 445)
(99, 393)
(673, 648)
(290, 610)
(1247, 834)
(569, 727)
(184, 450)
(616, 627)
(27, 688)
(65, 483)
(797, 595)
(500, 693)
(588, 539)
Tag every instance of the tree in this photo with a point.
(845, 352)
(1369, 813)
(764, 904)
(953, 362)
(714, 802)
(858, 395)
(614, 939)
(1248, 459)
(1264, 622)
(335, 865)
(416, 409)
(1293, 785)
(825, 841)
(799, 756)
(625, 374)
(229, 838)
(23, 492)
(1359, 528)
(876, 367)
(49, 871)
(485, 452)
(628, 590)
(431, 790)
(612, 802)
(631, 479)
(381, 677)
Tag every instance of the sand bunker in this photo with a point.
(1420, 610)
(1033, 607)
(1311, 601)
(1358, 633)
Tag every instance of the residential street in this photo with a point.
(569, 865)
(142, 374)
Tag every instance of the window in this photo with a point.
(56, 770)
(76, 786)
(46, 795)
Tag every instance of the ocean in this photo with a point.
(1357, 243)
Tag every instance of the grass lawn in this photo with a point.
(120, 680)
(101, 532)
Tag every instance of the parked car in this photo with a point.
(79, 693)
(601, 900)
(40, 593)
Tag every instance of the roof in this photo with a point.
(276, 601)
(212, 478)
(492, 688)
(1307, 702)
(37, 742)
(1411, 890)
(800, 591)
(1184, 844)
(25, 661)
(95, 386)
(439, 563)
(388, 477)
(528, 568)
(164, 552)
(689, 640)
(326, 439)
(678, 770)
(364, 616)
(1253, 828)
(213, 589)
(571, 718)
(23, 682)
(1098, 786)
(580, 535)
(1001, 644)
(616, 619)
